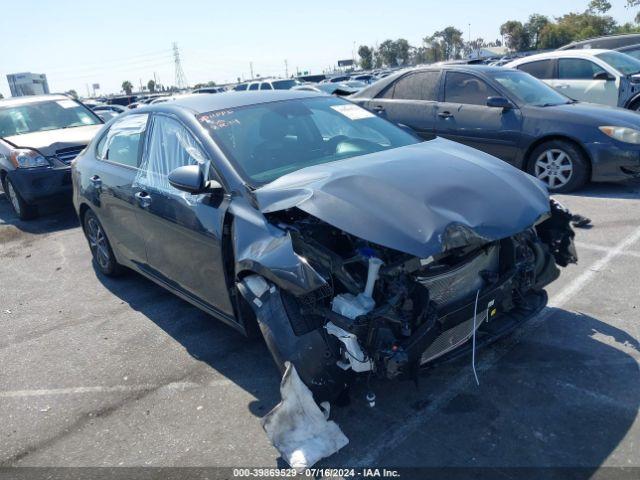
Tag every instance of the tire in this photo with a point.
(22, 209)
(101, 250)
(561, 165)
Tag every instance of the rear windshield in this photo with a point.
(42, 116)
(268, 140)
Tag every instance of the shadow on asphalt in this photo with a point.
(52, 217)
(245, 362)
(564, 396)
(623, 190)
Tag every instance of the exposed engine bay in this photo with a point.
(388, 313)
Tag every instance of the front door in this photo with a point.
(464, 117)
(110, 186)
(183, 231)
(576, 80)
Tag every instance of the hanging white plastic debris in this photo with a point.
(298, 428)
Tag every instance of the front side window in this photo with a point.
(122, 143)
(42, 116)
(577, 69)
(467, 89)
(170, 145)
(529, 90)
(266, 141)
(626, 63)
(417, 86)
(542, 69)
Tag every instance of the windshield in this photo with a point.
(623, 63)
(284, 84)
(269, 140)
(528, 89)
(41, 116)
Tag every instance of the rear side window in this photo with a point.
(416, 86)
(577, 69)
(170, 146)
(122, 143)
(542, 69)
(467, 89)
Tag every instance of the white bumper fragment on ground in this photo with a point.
(298, 428)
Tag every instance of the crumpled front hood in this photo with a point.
(422, 199)
(49, 141)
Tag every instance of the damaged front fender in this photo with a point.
(262, 248)
(311, 352)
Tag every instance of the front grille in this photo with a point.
(452, 338)
(66, 155)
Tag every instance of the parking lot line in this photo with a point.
(111, 389)
(395, 436)
(602, 248)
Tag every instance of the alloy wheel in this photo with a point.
(98, 243)
(13, 197)
(554, 167)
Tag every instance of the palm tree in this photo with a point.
(151, 85)
(127, 87)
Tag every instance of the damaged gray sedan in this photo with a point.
(352, 246)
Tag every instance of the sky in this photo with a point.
(77, 44)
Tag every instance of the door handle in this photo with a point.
(378, 109)
(562, 85)
(445, 115)
(96, 181)
(143, 198)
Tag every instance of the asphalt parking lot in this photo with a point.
(102, 372)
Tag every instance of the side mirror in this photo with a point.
(190, 179)
(499, 102)
(602, 76)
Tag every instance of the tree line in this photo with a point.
(539, 32)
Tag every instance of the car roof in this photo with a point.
(608, 41)
(577, 53)
(203, 102)
(13, 101)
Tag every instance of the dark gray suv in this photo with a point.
(39, 137)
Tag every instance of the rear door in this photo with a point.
(111, 178)
(575, 79)
(183, 232)
(541, 69)
(411, 101)
(464, 117)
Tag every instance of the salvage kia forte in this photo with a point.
(353, 246)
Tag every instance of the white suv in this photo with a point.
(268, 84)
(596, 76)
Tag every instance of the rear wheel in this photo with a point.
(100, 247)
(560, 165)
(22, 209)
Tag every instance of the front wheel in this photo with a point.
(22, 209)
(560, 165)
(100, 247)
